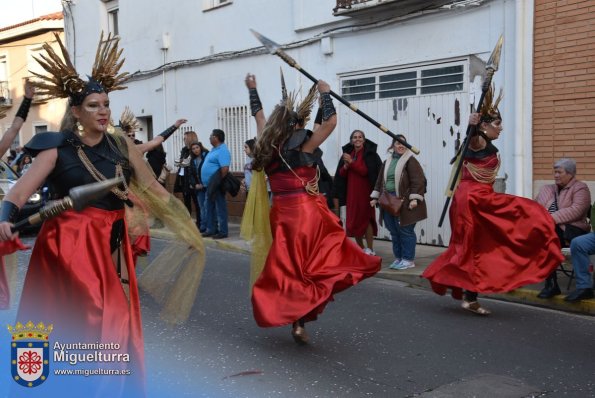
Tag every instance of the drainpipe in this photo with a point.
(523, 94)
(165, 43)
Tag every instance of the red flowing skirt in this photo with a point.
(499, 242)
(310, 260)
(73, 284)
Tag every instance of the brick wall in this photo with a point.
(564, 87)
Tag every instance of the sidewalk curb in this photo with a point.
(520, 296)
(411, 277)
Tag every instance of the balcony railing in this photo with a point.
(347, 4)
(394, 8)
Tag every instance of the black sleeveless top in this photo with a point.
(70, 171)
(489, 149)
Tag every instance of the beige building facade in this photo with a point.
(19, 44)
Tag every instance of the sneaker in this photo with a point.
(395, 264)
(369, 252)
(403, 265)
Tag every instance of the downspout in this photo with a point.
(523, 94)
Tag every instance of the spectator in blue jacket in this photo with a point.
(216, 161)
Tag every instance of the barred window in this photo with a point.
(441, 80)
(235, 123)
(398, 85)
(405, 83)
(359, 89)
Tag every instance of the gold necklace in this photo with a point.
(96, 174)
(310, 186)
(483, 174)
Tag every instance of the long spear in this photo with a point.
(491, 68)
(275, 49)
(78, 198)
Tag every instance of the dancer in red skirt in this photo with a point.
(499, 242)
(310, 258)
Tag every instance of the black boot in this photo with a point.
(551, 288)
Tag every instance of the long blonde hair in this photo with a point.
(68, 122)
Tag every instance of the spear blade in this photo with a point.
(268, 43)
(283, 87)
(494, 60)
(83, 195)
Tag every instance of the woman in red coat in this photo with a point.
(354, 181)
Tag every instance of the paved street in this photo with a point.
(379, 339)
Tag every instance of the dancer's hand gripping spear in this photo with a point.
(275, 49)
(491, 68)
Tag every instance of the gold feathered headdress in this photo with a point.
(489, 109)
(301, 114)
(63, 80)
(128, 122)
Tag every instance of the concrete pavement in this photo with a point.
(425, 254)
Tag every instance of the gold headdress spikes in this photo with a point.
(489, 108)
(128, 122)
(63, 80)
(305, 107)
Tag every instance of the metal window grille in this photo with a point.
(235, 123)
(405, 83)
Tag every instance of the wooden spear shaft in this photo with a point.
(275, 49)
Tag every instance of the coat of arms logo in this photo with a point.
(30, 353)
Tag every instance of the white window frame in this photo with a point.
(36, 125)
(7, 98)
(376, 74)
(113, 8)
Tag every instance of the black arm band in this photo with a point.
(328, 109)
(8, 212)
(255, 104)
(24, 108)
(167, 133)
(318, 118)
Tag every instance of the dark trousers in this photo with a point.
(189, 198)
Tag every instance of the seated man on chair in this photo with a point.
(581, 248)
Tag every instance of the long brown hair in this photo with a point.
(274, 134)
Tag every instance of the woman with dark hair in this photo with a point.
(183, 184)
(249, 151)
(499, 242)
(199, 153)
(24, 164)
(310, 258)
(355, 177)
(402, 176)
